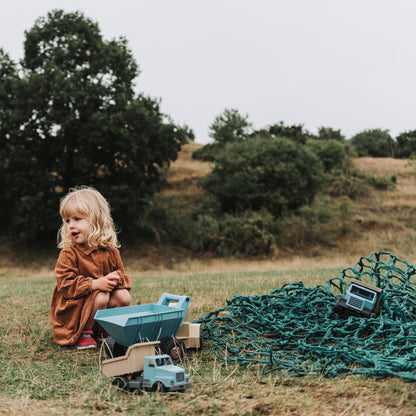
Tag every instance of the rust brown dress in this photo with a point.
(72, 299)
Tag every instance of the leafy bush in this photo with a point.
(354, 183)
(295, 132)
(328, 133)
(251, 234)
(331, 152)
(316, 223)
(343, 183)
(406, 144)
(271, 174)
(381, 183)
(208, 153)
(260, 233)
(374, 143)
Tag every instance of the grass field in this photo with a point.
(39, 378)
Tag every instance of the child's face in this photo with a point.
(79, 228)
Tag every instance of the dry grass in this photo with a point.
(385, 220)
(184, 172)
(70, 382)
(185, 167)
(301, 397)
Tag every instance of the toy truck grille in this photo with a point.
(355, 303)
(180, 377)
(360, 297)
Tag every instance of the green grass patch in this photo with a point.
(39, 377)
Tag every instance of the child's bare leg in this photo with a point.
(101, 301)
(119, 298)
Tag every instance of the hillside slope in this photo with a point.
(380, 221)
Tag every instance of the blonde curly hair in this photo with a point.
(88, 203)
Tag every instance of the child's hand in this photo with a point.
(106, 283)
(113, 275)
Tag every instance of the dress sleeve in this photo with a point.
(125, 280)
(71, 284)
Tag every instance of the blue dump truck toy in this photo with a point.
(145, 339)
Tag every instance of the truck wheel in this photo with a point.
(173, 347)
(120, 382)
(113, 349)
(158, 386)
(109, 346)
(119, 350)
(340, 307)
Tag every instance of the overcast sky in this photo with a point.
(345, 64)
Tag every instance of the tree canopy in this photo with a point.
(406, 144)
(229, 126)
(373, 143)
(275, 174)
(69, 116)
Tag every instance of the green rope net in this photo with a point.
(294, 328)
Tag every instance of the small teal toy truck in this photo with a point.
(158, 374)
(145, 336)
(361, 300)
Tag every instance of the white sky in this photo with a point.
(345, 64)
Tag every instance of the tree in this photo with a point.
(331, 152)
(229, 126)
(294, 132)
(373, 143)
(76, 120)
(273, 174)
(8, 84)
(406, 144)
(328, 133)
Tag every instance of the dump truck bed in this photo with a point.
(139, 323)
(131, 362)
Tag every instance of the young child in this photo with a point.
(89, 271)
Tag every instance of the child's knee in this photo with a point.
(101, 300)
(120, 298)
(125, 297)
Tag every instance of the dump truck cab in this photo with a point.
(160, 369)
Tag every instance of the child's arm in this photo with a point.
(125, 280)
(70, 283)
